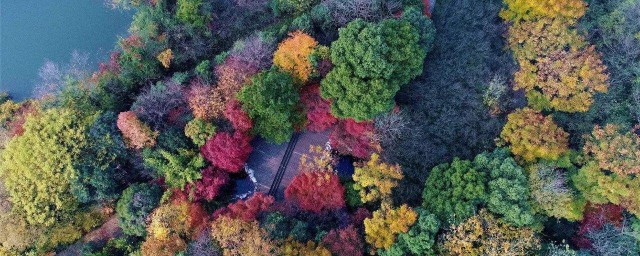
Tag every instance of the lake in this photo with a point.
(33, 31)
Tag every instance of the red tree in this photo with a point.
(227, 152)
(209, 186)
(239, 119)
(316, 191)
(247, 209)
(344, 242)
(354, 138)
(595, 217)
(318, 109)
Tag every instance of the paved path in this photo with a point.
(274, 166)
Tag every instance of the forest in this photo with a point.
(454, 127)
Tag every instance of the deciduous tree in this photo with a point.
(318, 110)
(227, 151)
(240, 237)
(293, 53)
(209, 186)
(239, 119)
(376, 179)
(177, 169)
(570, 10)
(205, 102)
(316, 191)
(483, 234)
(419, 240)
(354, 138)
(532, 136)
(136, 134)
(37, 166)
(552, 192)
(602, 187)
(386, 223)
(614, 151)
(199, 130)
(247, 209)
(344, 242)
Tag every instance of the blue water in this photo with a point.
(32, 31)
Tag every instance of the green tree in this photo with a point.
(191, 12)
(601, 187)
(134, 207)
(453, 191)
(371, 62)
(177, 169)
(419, 240)
(507, 190)
(38, 167)
(273, 103)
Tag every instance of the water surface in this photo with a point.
(33, 31)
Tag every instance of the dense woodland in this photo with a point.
(495, 127)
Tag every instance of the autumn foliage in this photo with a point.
(375, 179)
(293, 53)
(534, 136)
(344, 242)
(172, 225)
(483, 234)
(232, 75)
(237, 116)
(240, 237)
(318, 110)
(566, 79)
(136, 133)
(204, 101)
(316, 191)
(595, 217)
(209, 186)
(354, 138)
(228, 151)
(569, 10)
(615, 152)
(386, 223)
(247, 209)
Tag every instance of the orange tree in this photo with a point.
(239, 237)
(293, 55)
(532, 136)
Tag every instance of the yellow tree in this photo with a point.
(239, 237)
(569, 10)
(295, 248)
(165, 57)
(530, 40)
(613, 151)
(564, 79)
(381, 229)
(375, 179)
(293, 55)
(483, 234)
(532, 136)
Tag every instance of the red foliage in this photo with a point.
(227, 152)
(353, 138)
(247, 209)
(239, 119)
(209, 186)
(318, 109)
(112, 65)
(132, 41)
(359, 215)
(15, 124)
(595, 217)
(316, 191)
(198, 217)
(344, 242)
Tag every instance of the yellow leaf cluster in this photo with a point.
(567, 79)
(318, 159)
(483, 234)
(569, 10)
(165, 58)
(169, 219)
(376, 179)
(532, 136)
(295, 248)
(615, 152)
(239, 237)
(530, 40)
(386, 223)
(293, 53)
